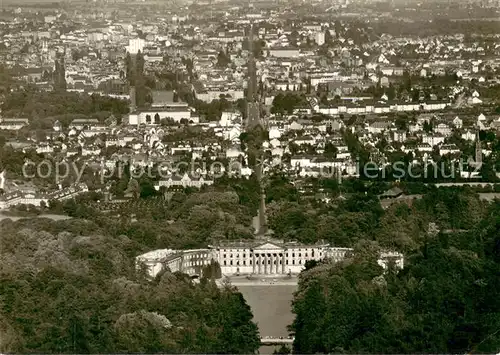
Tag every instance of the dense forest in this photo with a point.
(446, 300)
(67, 289)
(81, 293)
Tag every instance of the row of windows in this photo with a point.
(275, 262)
(238, 250)
(177, 263)
(287, 255)
(196, 263)
(196, 256)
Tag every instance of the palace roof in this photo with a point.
(264, 244)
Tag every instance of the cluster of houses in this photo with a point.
(298, 145)
(307, 58)
(35, 198)
(93, 48)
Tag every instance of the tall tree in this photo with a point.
(130, 69)
(223, 60)
(141, 91)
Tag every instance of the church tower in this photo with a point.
(59, 75)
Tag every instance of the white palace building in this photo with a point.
(250, 258)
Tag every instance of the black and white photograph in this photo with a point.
(250, 177)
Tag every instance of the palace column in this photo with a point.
(253, 262)
(264, 266)
(277, 261)
(265, 263)
(259, 261)
(270, 263)
(284, 262)
(271, 268)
